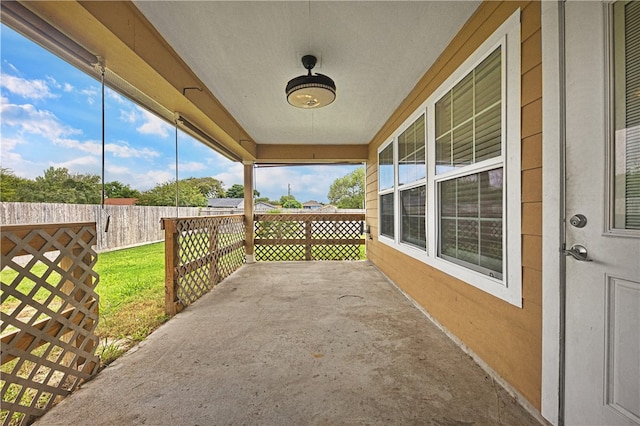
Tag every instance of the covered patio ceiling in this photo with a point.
(245, 52)
(225, 64)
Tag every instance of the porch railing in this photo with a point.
(308, 236)
(199, 253)
(49, 315)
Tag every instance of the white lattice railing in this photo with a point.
(199, 253)
(49, 314)
(308, 236)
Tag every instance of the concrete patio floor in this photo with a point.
(295, 343)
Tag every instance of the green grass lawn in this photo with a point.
(131, 291)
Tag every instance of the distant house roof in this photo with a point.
(226, 203)
(120, 201)
(262, 206)
(312, 204)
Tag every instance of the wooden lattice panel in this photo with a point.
(320, 236)
(49, 315)
(200, 252)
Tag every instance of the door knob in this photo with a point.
(578, 252)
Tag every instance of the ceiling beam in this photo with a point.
(285, 153)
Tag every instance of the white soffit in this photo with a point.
(246, 52)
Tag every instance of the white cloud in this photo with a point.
(53, 82)
(153, 125)
(152, 178)
(78, 162)
(8, 144)
(125, 151)
(68, 87)
(117, 170)
(91, 93)
(92, 147)
(128, 116)
(111, 94)
(31, 120)
(234, 173)
(13, 68)
(121, 150)
(28, 89)
(141, 181)
(15, 161)
(191, 166)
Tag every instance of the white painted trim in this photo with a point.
(551, 208)
(487, 369)
(509, 288)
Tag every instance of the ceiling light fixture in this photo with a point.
(310, 91)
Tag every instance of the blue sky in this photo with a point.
(51, 116)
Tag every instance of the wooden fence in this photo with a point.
(128, 225)
(311, 236)
(49, 315)
(199, 253)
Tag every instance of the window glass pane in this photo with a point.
(462, 95)
(443, 115)
(385, 168)
(627, 115)
(463, 144)
(413, 206)
(488, 126)
(471, 221)
(488, 78)
(411, 153)
(386, 215)
(474, 109)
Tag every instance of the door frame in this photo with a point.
(553, 202)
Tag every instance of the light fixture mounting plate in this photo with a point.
(300, 55)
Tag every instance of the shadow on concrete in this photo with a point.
(295, 343)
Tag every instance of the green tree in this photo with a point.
(57, 185)
(237, 191)
(348, 191)
(289, 202)
(118, 189)
(164, 194)
(208, 186)
(11, 186)
(265, 200)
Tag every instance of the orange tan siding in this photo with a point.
(507, 338)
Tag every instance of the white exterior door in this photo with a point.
(602, 349)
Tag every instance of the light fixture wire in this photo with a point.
(102, 195)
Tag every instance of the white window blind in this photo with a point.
(469, 117)
(627, 114)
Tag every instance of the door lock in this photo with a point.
(578, 220)
(578, 252)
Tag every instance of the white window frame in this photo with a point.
(387, 191)
(509, 288)
(410, 248)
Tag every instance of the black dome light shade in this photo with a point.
(310, 91)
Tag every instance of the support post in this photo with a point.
(171, 305)
(248, 211)
(307, 238)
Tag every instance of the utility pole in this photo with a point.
(289, 190)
